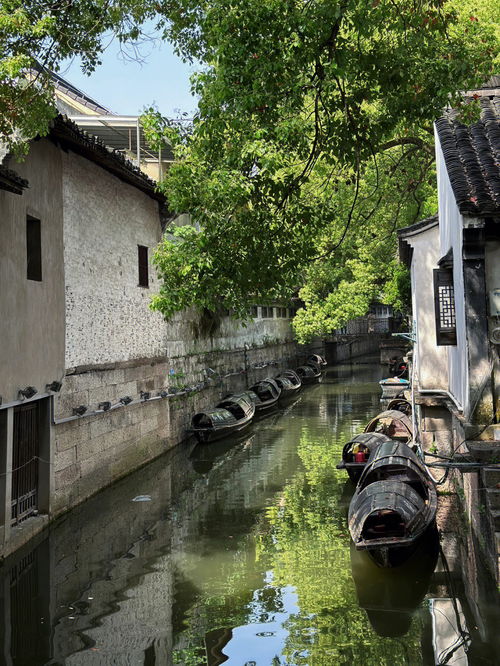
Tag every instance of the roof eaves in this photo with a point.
(69, 135)
(11, 181)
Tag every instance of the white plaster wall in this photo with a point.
(451, 233)
(105, 219)
(431, 361)
(107, 314)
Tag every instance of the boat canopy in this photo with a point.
(393, 423)
(387, 509)
(213, 418)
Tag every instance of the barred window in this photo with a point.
(444, 303)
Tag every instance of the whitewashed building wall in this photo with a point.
(431, 361)
(451, 230)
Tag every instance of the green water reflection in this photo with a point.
(284, 592)
(241, 557)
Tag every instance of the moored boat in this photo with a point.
(394, 504)
(356, 453)
(310, 373)
(400, 405)
(293, 377)
(318, 359)
(267, 392)
(392, 423)
(289, 389)
(393, 387)
(231, 415)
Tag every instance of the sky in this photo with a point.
(126, 86)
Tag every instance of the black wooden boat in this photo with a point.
(293, 377)
(400, 405)
(310, 373)
(392, 423)
(317, 358)
(267, 393)
(289, 389)
(356, 453)
(231, 415)
(394, 504)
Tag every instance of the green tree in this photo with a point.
(37, 36)
(305, 108)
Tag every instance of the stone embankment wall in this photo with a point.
(94, 450)
(339, 349)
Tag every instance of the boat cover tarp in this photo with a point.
(387, 495)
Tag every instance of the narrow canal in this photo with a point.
(236, 553)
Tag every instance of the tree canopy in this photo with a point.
(37, 36)
(312, 145)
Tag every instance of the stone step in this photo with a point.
(491, 477)
(494, 499)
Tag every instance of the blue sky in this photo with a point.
(126, 86)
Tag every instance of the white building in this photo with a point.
(455, 274)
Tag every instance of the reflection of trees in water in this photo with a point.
(308, 547)
(301, 536)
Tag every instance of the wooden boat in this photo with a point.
(309, 373)
(400, 405)
(267, 393)
(392, 423)
(231, 415)
(393, 387)
(356, 453)
(394, 504)
(288, 388)
(292, 376)
(317, 358)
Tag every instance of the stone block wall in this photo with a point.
(96, 449)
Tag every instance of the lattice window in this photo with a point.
(444, 303)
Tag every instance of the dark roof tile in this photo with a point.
(472, 157)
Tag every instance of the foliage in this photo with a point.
(299, 104)
(37, 36)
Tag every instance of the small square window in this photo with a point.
(33, 249)
(142, 256)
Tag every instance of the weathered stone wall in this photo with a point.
(339, 351)
(105, 219)
(95, 450)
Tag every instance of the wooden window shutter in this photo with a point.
(142, 254)
(444, 304)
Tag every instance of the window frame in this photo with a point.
(143, 266)
(34, 249)
(444, 307)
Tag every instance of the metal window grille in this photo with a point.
(25, 463)
(444, 304)
(142, 254)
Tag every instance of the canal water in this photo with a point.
(237, 553)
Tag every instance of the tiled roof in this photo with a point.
(68, 134)
(472, 157)
(10, 181)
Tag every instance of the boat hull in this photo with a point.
(207, 435)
